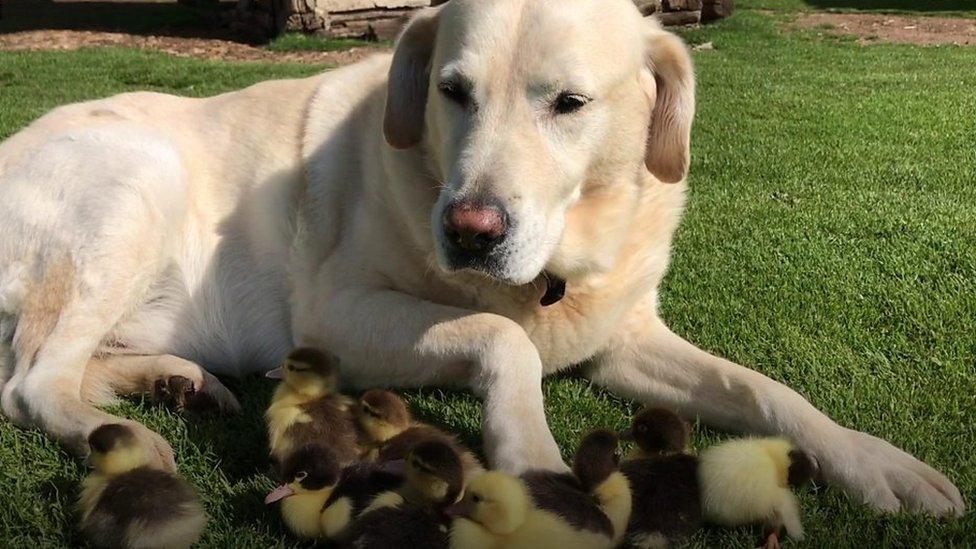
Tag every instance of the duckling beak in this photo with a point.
(461, 509)
(626, 434)
(277, 373)
(279, 494)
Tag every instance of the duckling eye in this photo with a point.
(476, 498)
(301, 475)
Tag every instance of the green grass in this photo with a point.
(947, 8)
(829, 242)
(305, 42)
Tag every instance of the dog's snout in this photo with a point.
(475, 226)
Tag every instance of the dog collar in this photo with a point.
(555, 290)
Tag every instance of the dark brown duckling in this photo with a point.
(126, 503)
(389, 428)
(414, 515)
(359, 484)
(307, 408)
(663, 479)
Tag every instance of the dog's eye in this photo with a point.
(569, 102)
(455, 91)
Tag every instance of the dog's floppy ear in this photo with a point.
(406, 98)
(669, 139)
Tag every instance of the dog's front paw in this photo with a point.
(887, 478)
(158, 452)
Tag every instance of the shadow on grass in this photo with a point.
(157, 18)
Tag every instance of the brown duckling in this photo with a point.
(389, 428)
(126, 503)
(747, 481)
(414, 515)
(309, 474)
(307, 408)
(359, 484)
(663, 480)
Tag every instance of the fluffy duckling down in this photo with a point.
(307, 409)
(391, 433)
(748, 481)
(309, 475)
(588, 508)
(414, 515)
(359, 484)
(664, 480)
(126, 503)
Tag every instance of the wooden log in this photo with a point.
(675, 18)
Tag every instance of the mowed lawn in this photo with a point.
(829, 242)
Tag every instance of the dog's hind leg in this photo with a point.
(166, 378)
(60, 325)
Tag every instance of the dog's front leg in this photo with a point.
(386, 338)
(648, 362)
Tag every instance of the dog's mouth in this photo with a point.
(555, 289)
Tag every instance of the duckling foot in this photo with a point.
(772, 541)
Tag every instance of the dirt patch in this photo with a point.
(897, 29)
(203, 48)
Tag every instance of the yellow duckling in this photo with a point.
(748, 481)
(307, 409)
(309, 475)
(391, 433)
(537, 511)
(413, 516)
(126, 503)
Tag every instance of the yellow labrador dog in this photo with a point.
(492, 204)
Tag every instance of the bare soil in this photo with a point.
(896, 29)
(205, 48)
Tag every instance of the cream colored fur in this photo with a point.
(144, 227)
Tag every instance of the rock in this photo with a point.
(707, 46)
(682, 5)
(716, 9)
(648, 7)
(675, 18)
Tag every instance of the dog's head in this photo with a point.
(535, 115)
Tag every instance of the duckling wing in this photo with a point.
(361, 482)
(561, 494)
(402, 527)
(666, 497)
(143, 499)
(332, 425)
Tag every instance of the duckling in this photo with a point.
(597, 467)
(307, 408)
(309, 473)
(748, 481)
(414, 515)
(663, 479)
(126, 503)
(389, 428)
(543, 509)
(359, 484)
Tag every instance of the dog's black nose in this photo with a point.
(475, 226)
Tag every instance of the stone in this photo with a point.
(716, 9)
(682, 5)
(648, 7)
